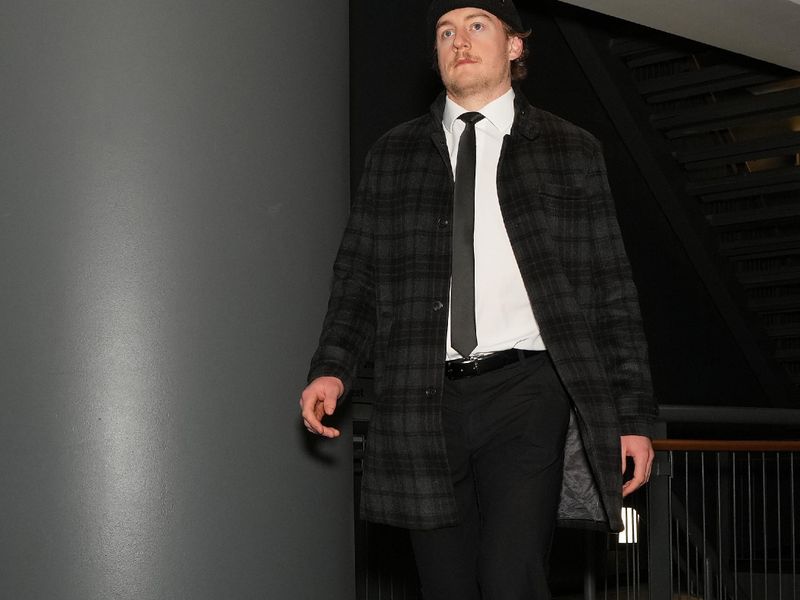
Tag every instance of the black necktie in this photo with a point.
(462, 295)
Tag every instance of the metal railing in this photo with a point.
(718, 521)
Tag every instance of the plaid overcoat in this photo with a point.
(390, 294)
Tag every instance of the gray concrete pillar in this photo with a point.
(173, 185)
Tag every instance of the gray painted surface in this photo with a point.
(173, 184)
(762, 29)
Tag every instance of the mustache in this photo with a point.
(465, 56)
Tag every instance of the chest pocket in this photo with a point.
(567, 202)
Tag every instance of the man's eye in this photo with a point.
(477, 26)
(447, 33)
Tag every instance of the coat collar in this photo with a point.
(525, 121)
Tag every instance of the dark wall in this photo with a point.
(173, 185)
(694, 358)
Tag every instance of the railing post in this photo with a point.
(712, 581)
(590, 567)
(658, 516)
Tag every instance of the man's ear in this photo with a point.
(514, 47)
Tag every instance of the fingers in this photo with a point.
(324, 431)
(312, 422)
(329, 405)
(640, 449)
(317, 401)
(638, 480)
(312, 414)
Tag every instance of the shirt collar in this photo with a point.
(499, 112)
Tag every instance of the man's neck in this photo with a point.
(477, 101)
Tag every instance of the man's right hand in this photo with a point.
(319, 400)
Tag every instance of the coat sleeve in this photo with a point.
(618, 325)
(349, 325)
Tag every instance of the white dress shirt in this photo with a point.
(503, 314)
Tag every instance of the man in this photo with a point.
(510, 373)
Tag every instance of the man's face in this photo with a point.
(474, 53)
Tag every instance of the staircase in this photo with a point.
(718, 135)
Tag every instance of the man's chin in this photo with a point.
(463, 86)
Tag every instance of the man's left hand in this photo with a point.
(640, 449)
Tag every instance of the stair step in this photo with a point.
(724, 115)
(761, 215)
(739, 152)
(758, 182)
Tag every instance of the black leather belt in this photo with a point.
(470, 367)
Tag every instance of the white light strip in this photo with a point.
(629, 535)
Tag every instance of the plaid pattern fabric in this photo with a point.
(390, 293)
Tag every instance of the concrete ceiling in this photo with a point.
(768, 30)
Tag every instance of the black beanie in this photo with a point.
(502, 9)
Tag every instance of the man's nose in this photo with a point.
(460, 40)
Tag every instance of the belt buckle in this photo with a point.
(465, 368)
(470, 368)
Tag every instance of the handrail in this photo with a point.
(728, 445)
(728, 415)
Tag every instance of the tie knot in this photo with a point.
(470, 118)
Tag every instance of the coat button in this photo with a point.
(443, 223)
(437, 306)
(430, 392)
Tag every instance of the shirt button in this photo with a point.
(437, 306)
(443, 223)
(430, 392)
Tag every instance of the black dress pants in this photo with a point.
(505, 434)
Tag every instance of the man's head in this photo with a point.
(503, 10)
